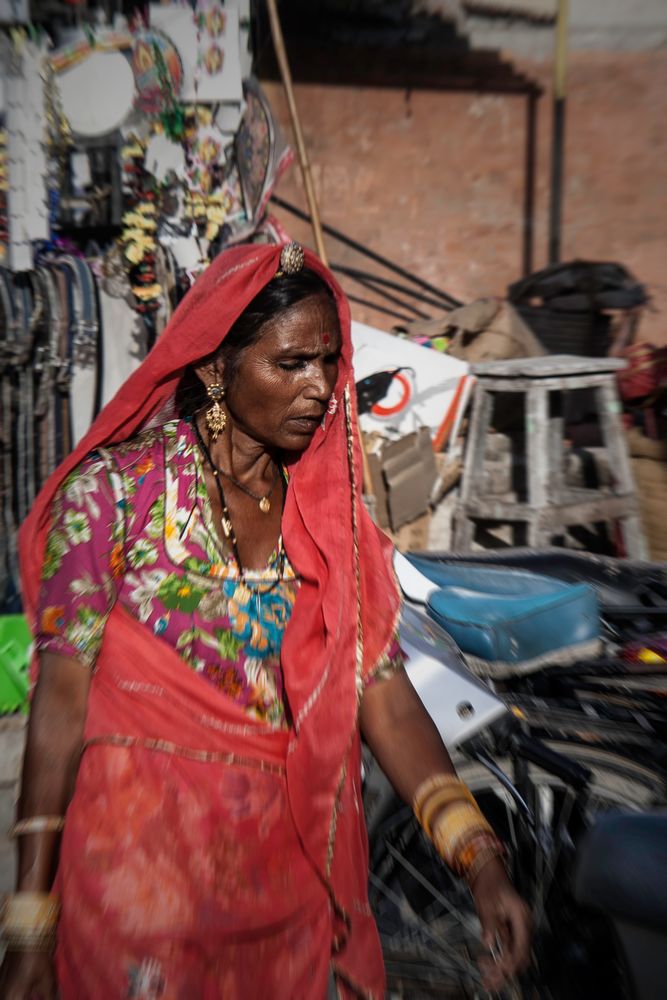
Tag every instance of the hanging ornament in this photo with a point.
(213, 59)
(158, 72)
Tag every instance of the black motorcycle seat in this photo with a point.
(621, 868)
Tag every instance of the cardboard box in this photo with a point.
(402, 476)
(412, 537)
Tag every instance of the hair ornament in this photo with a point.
(291, 260)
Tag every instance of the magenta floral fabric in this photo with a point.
(133, 524)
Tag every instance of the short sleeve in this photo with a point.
(391, 661)
(83, 560)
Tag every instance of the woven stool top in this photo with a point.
(550, 366)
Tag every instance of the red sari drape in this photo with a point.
(203, 854)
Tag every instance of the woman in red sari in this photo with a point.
(215, 617)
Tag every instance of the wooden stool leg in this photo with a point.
(613, 437)
(539, 461)
(473, 470)
(556, 483)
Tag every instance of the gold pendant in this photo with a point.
(226, 527)
(265, 505)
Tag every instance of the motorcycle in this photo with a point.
(542, 797)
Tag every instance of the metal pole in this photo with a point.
(558, 134)
(283, 63)
(529, 184)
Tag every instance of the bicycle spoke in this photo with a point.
(463, 919)
(468, 970)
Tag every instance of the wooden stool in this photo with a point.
(550, 506)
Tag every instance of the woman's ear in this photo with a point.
(210, 372)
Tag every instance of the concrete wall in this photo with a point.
(435, 180)
(605, 25)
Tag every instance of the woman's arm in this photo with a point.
(402, 735)
(50, 765)
(406, 744)
(53, 750)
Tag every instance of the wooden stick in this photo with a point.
(304, 163)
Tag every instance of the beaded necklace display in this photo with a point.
(228, 528)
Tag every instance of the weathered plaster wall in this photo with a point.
(435, 180)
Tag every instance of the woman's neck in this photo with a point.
(238, 454)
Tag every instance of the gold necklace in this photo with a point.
(263, 501)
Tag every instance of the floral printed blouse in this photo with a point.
(133, 524)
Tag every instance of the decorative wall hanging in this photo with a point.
(181, 26)
(157, 70)
(97, 93)
(261, 152)
(211, 21)
(76, 51)
(213, 59)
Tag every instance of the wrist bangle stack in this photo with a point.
(29, 921)
(37, 824)
(449, 815)
(435, 793)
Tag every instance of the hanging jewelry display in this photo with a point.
(58, 142)
(4, 188)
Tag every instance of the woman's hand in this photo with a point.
(505, 921)
(28, 975)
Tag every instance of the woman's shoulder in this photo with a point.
(129, 474)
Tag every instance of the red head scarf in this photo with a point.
(348, 603)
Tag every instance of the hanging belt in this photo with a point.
(11, 356)
(47, 363)
(25, 457)
(61, 342)
(84, 344)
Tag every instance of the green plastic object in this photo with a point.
(15, 640)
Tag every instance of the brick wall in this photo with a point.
(435, 180)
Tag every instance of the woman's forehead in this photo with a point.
(312, 319)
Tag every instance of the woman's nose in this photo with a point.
(322, 381)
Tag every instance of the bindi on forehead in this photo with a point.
(326, 338)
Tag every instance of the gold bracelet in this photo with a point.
(457, 826)
(433, 784)
(29, 919)
(37, 824)
(442, 797)
(29, 940)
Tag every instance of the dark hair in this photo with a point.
(275, 298)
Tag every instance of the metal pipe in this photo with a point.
(558, 132)
(450, 301)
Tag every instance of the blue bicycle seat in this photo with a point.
(511, 621)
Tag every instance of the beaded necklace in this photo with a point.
(228, 528)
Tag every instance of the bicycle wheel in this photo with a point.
(429, 932)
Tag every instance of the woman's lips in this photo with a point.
(304, 425)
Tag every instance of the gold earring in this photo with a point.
(216, 419)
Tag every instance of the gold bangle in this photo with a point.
(37, 824)
(430, 785)
(457, 826)
(29, 940)
(29, 918)
(442, 797)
